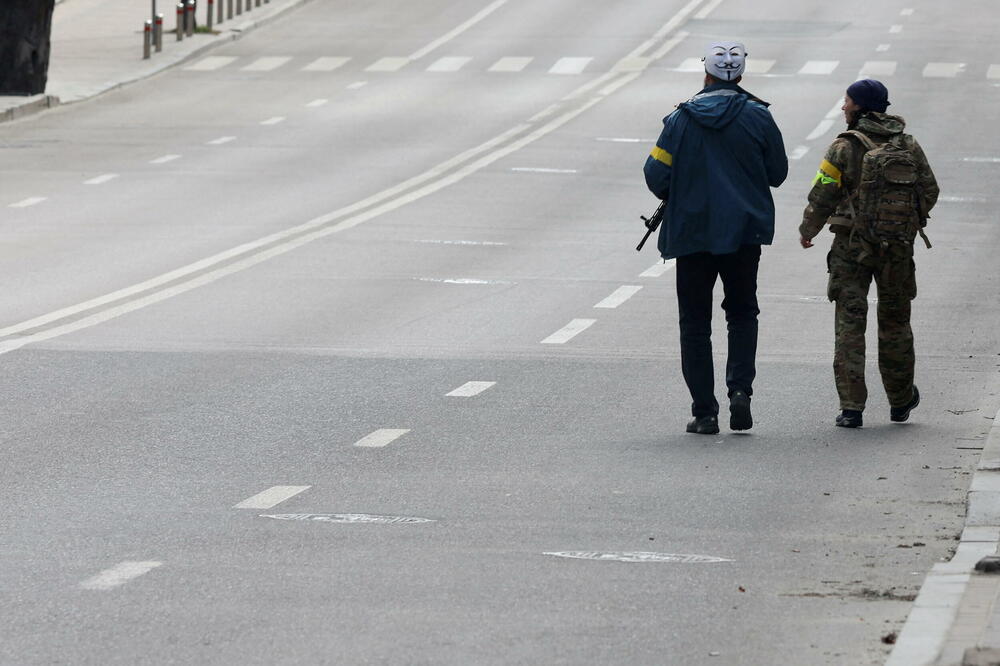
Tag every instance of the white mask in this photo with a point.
(725, 60)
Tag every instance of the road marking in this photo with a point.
(542, 170)
(266, 64)
(993, 72)
(381, 438)
(759, 66)
(210, 63)
(622, 139)
(906, 12)
(388, 64)
(878, 68)
(821, 129)
(350, 518)
(946, 70)
(459, 242)
(273, 121)
(708, 9)
(569, 331)
(252, 253)
(164, 159)
(100, 180)
(30, 201)
(988, 160)
(447, 37)
(799, 153)
(691, 65)
(619, 296)
(357, 84)
(118, 575)
(510, 64)
(882, 48)
(221, 140)
(461, 281)
(325, 64)
(658, 269)
(570, 66)
(895, 29)
(273, 496)
(316, 103)
(449, 64)
(637, 556)
(469, 389)
(819, 67)
(947, 199)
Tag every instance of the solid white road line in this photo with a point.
(449, 64)
(451, 34)
(317, 103)
(164, 159)
(266, 64)
(799, 153)
(273, 496)
(325, 64)
(221, 140)
(819, 67)
(708, 9)
(569, 331)
(210, 63)
(658, 269)
(381, 438)
(986, 160)
(388, 64)
(570, 66)
(947, 70)
(510, 64)
(469, 389)
(30, 201)
(759, 66)
(619, 296)
(117, 575)
(542, 170)
(273, 121)
(878, 68)
(100, 180)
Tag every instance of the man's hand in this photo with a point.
(805, 242)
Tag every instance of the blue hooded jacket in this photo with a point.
(714, 163)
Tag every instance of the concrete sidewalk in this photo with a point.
(97, 46)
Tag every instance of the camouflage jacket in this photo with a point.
(839, 173)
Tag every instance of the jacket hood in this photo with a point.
(716, 106)
(880, 124)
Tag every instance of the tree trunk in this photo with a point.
(24, 45)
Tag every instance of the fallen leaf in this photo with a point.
(890, 638)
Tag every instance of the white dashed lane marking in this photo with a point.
(993, 72)
(390, 64)
(118, 575)
(882, 48)
(799, 153)
(211, 63)
(878, 68)
(266, 64)
(357, 84)
(326, 64)
(317, 103)
(755, 66)
(819, 67)
(273, 121)
(273, 496)
(570, 65)
(895, 29)
(947, 70)
(469, 389)
(164, 159)
(658, 269)
(449, 64)
(381, 438)
(100, 180)
(510, 64)
(542, 170)
(569, 331)
(30, 201)
(619, 296)
(691, 65)
(221, 140)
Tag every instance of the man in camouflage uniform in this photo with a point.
(856, 258)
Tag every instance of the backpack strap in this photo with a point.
(861, 137)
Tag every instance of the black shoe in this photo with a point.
(900, 414)
(849, 418)
(704, 425)
(739, 411)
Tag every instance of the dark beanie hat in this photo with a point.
(869, 94)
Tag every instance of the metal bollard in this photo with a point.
(158, 33)
(180, 21)
(147, 39)
(219, 20)
(211, 14)
(239, 7)
(249, 5)
(189, 26)
(258, 3)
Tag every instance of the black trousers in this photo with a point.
(696, 275)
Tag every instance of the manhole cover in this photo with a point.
(637, 556)
(349, 518)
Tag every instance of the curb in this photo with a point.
(38, 103)
(955, 605)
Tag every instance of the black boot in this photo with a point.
(900, 414)
(704, 425)
(849, 418)
(739, 411)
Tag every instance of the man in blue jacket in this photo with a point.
(719, 154)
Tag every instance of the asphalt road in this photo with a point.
(264, 272)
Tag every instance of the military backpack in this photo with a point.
(889, 198)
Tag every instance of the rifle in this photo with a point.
(651, 222)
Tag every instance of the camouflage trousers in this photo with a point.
(851, 274)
